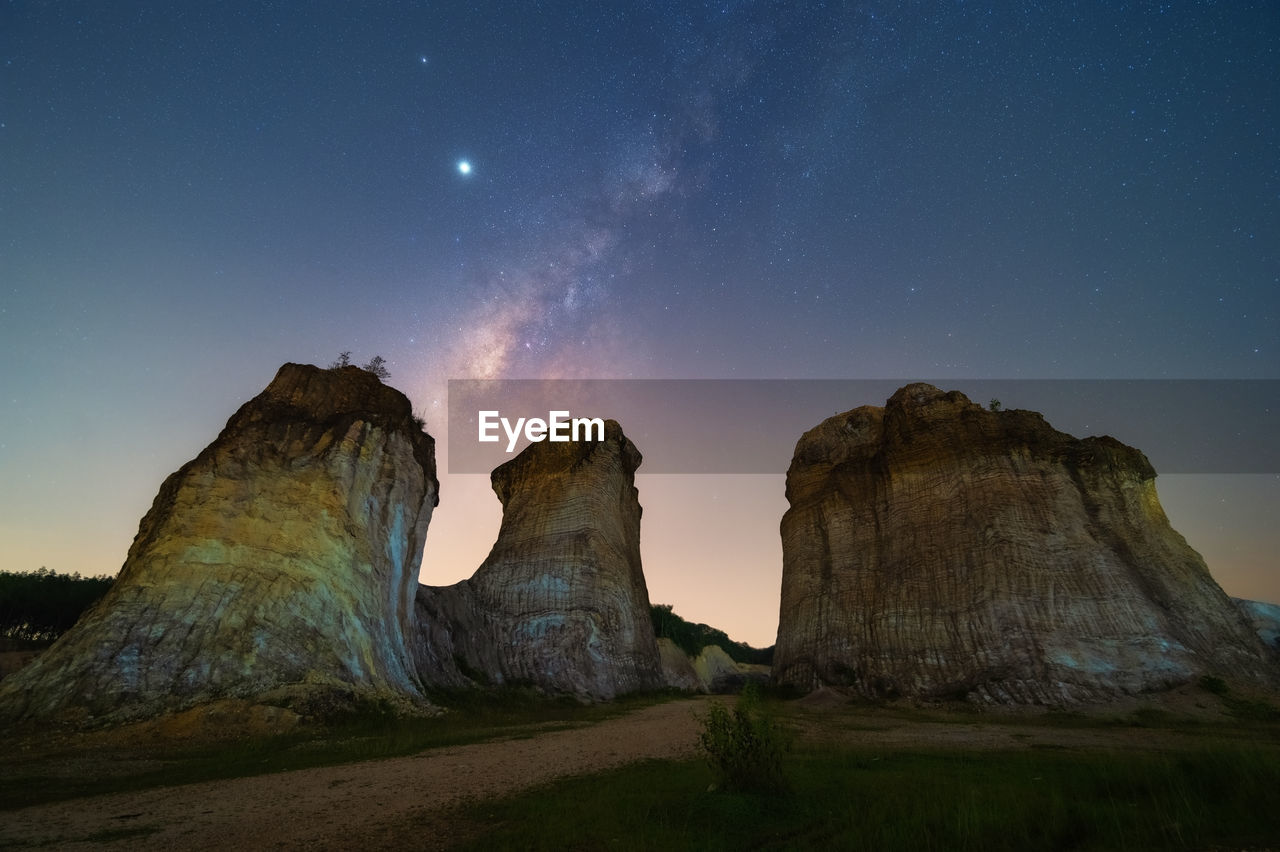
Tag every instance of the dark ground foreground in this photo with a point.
(633, 780)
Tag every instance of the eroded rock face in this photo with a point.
(561, 601)
(677, 669)
(282, 560)
(711, 671)
(1264, 618)
(719, 673)
(933, 548)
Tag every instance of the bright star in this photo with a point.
(464, 167)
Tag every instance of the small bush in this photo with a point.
(378, 366)
(1215, 685)
(744, 747)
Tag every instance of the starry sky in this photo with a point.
(192, 194)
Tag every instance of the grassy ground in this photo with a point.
(1143, 778)
(850, 798)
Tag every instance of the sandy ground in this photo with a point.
(371, 805)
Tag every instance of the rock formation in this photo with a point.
(934, 548)
(561, 602)
(718, 672)
(711, 671)
(677, 669)
(282, 561)
(1264, 618)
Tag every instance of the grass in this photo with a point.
(116, 834)
(1248, 712)
(369, 734)
(1209, 785)
(911, 800)
(1244, 709)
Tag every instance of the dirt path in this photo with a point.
(362, 805)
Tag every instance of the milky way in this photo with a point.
(192, 194)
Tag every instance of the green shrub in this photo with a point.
(744, 747)
(1215, 685)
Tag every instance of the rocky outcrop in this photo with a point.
(281, 562)
(718, 672)
(711, 671)
(934, 548)
(1264, 618)
(561, 602)
(677, 669)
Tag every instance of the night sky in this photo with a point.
(193, 193)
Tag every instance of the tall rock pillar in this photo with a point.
(283, 559)
(934, 548)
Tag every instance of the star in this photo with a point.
(464, 167)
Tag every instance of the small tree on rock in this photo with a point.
(344, 360)
(377, 366)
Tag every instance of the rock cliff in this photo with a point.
(282, 561)
(711, 671)
(677, 669)
(718, 672)
(1264, 618)
(561, 601)
(934, 548)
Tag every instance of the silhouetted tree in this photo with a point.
(377, 366)
(344, 360)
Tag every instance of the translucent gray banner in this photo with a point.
(752, 425)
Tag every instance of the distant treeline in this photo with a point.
(692, 638)
(39, 606)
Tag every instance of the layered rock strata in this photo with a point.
(718, 672)
(934, 548)
(711, 671)
(677, 669)
(281, 561)
(1264, 618)
(560, 603)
